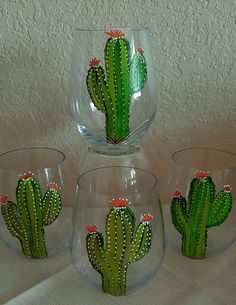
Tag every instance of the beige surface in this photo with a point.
(181, 281)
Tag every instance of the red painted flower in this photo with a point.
(54, 186)
(91, 228)
(116, 34)
(177, 194)
(27, 175)
(201, 174)
(139, 50)
(120, 203)
(94, 62)
(3, 199)
(146, 217)
(227, 188)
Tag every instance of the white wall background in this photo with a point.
(194, 44)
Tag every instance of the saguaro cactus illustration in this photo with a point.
(111, 90)
(26, 219)
(202, 211)
(124, 245)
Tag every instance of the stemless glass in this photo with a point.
(112, 88)
(221, 167)
(120, 191)
(48, 167)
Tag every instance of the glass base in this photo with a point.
(113, 150)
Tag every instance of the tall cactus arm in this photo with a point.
(179, 213)
(51, 204)
(142, 240)
(97, 86)
(95, 249)
(97, 257)
(138, 71)
(220, 207)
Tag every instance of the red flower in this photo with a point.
(94, 62)
(91, 228)
(177, 194)
(120, 203)
(3, 199)
(27, 175)
(116, 34)
(54, 186)
(146, 217)
(227, 188)
(139, 50)
(201, 174)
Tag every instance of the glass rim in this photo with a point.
(104, 29)
(173, 156)
(33, 148)
(153, 186)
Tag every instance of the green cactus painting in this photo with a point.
(203, 210)
(26, 219)
(124, 245)
(111, 89)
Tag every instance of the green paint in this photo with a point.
(124, 246)
(111, 91)
(202, 211)
(26, 219)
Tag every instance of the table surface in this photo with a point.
(181, 281)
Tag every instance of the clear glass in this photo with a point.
(93, 123)
(90, 160)
(48, 166)
(221, 166)
(96, 190)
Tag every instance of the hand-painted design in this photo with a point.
(26, 219)
(124, 245)
(111, 90)
(202, 211)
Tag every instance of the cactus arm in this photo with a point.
(179, 214)
(97, 87)
(51, 206)
(141, 243)
(138, 72)
(220, 209)
(99, 261)
(15, 226)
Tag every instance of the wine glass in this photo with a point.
(34, 219)
(204, 165)
(112, 88)
(118, 234)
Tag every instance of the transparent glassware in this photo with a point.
(128, 107)
(48, 166)
(97, 190)
(90, 160)
(221, 167)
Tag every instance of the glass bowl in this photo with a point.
(112, 88)
(204, 167)
(118, 233)
(34, 219)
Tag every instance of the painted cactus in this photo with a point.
(202, 211)
(111, 90)
(124, 245)
(26, 219)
